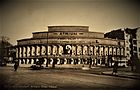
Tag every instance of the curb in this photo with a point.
(131, 77)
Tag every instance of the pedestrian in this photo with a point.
(115, 67)
(16, 66)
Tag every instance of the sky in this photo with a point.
(20, 18)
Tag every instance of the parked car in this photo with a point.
(37, 66)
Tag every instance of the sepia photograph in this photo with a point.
(69, 45)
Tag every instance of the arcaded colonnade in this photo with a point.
(69, 45)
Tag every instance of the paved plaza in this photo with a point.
(63, 79)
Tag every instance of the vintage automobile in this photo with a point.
(37, 66)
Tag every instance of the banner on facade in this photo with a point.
(67, 49)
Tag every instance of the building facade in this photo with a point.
(132, 42)
(70, 45)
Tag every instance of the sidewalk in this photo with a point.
(123, 74)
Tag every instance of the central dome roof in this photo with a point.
(68, 28)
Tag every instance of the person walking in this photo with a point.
(115, 68)
(16, 66)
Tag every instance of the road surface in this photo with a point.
(65, 79)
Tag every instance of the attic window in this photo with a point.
(119, 43)
(97, 41)
(80, 33)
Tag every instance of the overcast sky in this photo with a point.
(19, 18)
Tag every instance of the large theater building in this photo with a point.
(70, 45)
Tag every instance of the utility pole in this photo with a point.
(47, 52)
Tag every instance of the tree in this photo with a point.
(4, 43)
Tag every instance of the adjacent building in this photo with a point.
(70, 45)
(132, 42)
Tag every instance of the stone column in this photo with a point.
(99, 50)
(52, 49)
(73, 50)
(25, 51)
(32, 61)
(123, 51)
(72, 61)
(18, 52)
(88, 50)
(30, 53)
(19, 61)
(103, 50)
(43, 50)
(65, 61)
(22, 51)
(79, 61)
(93, 50)
(58, 61)
(82, 49)
(76, 49)
(110, 50)
(116, 51)
(35, 52)
(60, 50)
(58, 46)
(45, 60)
(96, 50)
(46, 50)
(32, 50)
(40, 50)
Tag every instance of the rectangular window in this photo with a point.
(134, 36)
(127, 54)
(80, 33)
(97, 41)
(135, 48)
(127, 48)
(134, 41)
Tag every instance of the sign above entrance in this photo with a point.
(67, 49)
